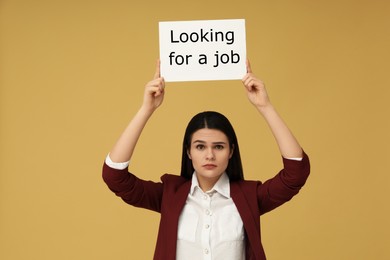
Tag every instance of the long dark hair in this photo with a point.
(212, 120)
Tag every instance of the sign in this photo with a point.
(202, 50)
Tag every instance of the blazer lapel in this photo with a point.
(181, 198)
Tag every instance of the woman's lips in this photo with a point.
(209, 166)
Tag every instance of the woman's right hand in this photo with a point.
(154, 91)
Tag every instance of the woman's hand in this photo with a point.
(255, 88)
(154, 91)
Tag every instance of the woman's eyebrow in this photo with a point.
(198, 141)
(203, 142)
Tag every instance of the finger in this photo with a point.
(160, 89)
(245, 78)
(248, 66)
(153, 90)
(248, 79)
(163, 83)
(159, 82)
(157, 73)
(248, 84)
(156, 84)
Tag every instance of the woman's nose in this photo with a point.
(210, 154)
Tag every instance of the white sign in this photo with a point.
(203, 50)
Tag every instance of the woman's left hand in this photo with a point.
(255, 88)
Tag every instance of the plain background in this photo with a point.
(72, 75)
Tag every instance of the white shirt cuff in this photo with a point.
(116, 165)
(295, 159)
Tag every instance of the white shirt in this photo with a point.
(210, 226)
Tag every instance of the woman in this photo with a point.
(210, 211)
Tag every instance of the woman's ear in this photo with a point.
(189, 155)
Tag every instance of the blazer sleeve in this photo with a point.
(133, 190)
(285, 185)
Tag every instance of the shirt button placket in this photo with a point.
(207, 228)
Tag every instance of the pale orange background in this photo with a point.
(72, 75)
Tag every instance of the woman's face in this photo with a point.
(210, 153)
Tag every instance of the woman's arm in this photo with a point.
(257, 95)
(153, 98)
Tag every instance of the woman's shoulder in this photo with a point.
(247, 184)
(175, 185)
(173, 178)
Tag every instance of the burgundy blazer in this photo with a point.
(252, 199)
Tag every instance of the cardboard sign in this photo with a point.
(203, 50)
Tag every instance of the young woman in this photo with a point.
(209, 211)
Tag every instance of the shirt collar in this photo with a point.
(222, 186)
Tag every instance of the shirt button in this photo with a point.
(206, 226)
(208, 212)
(205, 197)
(206, 251)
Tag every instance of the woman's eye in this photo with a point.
(200, 147)
(219, 147)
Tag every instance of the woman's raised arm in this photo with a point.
(257, 95)
(153, 98)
